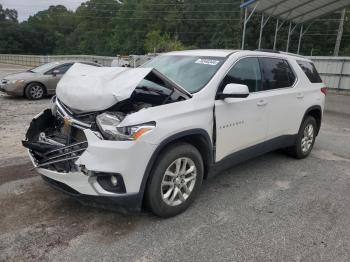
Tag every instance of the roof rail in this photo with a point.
(292, 54)
(268, 51)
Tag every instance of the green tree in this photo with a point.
(155, 42)
(110, 27)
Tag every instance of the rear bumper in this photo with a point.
(125, 203)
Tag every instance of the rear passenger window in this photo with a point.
(276, 73)
(245, 72)
(310, 71)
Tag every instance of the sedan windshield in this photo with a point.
(45, 67)
(190, 72)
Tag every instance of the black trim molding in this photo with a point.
(252, 152)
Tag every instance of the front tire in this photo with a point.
(175, 180)
(305, 139)
(34, 91)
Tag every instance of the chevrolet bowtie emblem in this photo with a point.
(67, 121)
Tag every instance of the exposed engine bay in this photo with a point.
(150, 92)
(53, 143)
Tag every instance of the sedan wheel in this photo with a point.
(35, 91)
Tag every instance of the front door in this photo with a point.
(241, 122)
(53, 79)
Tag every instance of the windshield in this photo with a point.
(190, 72)
(45, 67)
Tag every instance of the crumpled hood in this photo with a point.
(88, 88)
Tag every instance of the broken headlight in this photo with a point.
(53, 105)
(108, 125)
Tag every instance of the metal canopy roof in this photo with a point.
(296, 11)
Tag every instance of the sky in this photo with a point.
(26, 8)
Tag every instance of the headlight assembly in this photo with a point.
(53, 105)
(108, 125)
(17, 82)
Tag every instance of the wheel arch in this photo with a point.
(316, 112)
(199, 138)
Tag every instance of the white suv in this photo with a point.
(126, 138)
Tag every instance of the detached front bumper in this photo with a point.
(89, 173)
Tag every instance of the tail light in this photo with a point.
(324, 90)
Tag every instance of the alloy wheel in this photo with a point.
(308, 138)
(36, 91)
(178, 181)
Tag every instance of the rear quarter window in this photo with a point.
(310, 71)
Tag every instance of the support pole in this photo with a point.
(261, 30)
(276, 33)
(246, 20)
(244, 27)
(288, 40)
(300, 37)
(340, 33)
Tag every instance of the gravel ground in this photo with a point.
(272, 208)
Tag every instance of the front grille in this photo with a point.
(78, 119)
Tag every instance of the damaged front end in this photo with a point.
(87, 142)
(97, 100)
(56, 139)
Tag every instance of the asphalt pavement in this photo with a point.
(271, 208)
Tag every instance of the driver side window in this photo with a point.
(246, 72)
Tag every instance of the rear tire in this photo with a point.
(175, 180)
(34, 91)
(305, 139)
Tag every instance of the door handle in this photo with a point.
(262, 102)
(300, 95)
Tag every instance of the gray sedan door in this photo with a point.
(53, 76)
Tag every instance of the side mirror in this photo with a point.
(55, 72)
(234, 91)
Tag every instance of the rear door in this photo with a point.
(285, 101)
(241, 122)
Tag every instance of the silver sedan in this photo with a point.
(39, 81)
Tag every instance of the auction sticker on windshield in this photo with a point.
(207, 62)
